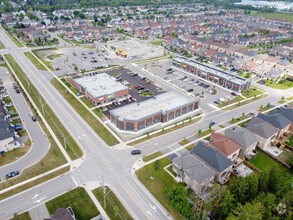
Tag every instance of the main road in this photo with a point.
(100, 160)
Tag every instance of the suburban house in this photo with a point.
(225, 145)
(288, 113)
(7, 136)
(195, 173)
(62, 214)
(278, 120)
(215, 159)
(263, 130)
(243, 137)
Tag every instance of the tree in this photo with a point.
(76, 13)
(199, 132)
(269, 202)
(75, 68)
(239, 188)
(228, 203)
(252, 181)
(248, 211)
(263, 180)
(217, 194)
(210, 127)
(178, 199)
(274, 180)
(21, 16)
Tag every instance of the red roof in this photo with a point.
(224, 144)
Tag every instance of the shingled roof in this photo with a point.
(211, 156)
(261, 127)
(241, 136)
(196, 169)
(224, 144)
(276, 119)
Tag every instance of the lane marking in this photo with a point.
(133, 200)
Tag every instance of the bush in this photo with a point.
(157, 163)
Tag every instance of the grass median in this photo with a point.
(59, 130)
(47, 63)
(12, 37)
(80, 202)
(35, 61)
(2, 46)
(96, 125)
(152, 156)
(34, 183)
(114, 208)
(22, 216)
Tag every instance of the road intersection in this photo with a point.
(114, 164)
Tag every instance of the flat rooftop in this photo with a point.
(100, 85)
(162, 103)
(232, 77)
(127, 45)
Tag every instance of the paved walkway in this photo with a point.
(40, 212)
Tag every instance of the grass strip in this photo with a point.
(34, 183)
(35, 61)
(184, 141)
(204, 133)
(47, 63)
(80, 202)
(2, 46)
(152, 156)
(11, 36)
(59, 130)
(157, 181)
(22, 216)
(114, 208)
(176, 127)
(244, 103)
(87, 102)
(98, 127)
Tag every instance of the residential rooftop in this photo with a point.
(229, 76)
(162, 103)
(242, 136)
(100, 85)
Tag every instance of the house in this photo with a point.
(278, 120)
(225, 145)
(288, 113)
(62, 214)
(195, 173)
(215, 159)
(276, 73)
(8, 140)
(261, 70)
(263, 130)
(243, 137)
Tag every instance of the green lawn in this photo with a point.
(87, 102)
(290, 141)
(262, 162)
(235, 120)
(205, 132)
(47, 63)
(35, 61)
(72, 148)
(156, 42)
(69, 86)
(251, 93)
(152, 156)
(158, 181)
(97, 126)
(80, 202)
(2, 46)
(114, 208)
(184, 141)
(23, 216)
(282, 84)
(234, 100)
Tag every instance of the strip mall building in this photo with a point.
(161, 108)
(217, 76)
(101, 88)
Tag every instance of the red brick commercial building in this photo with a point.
(101, 89)
(161, 108)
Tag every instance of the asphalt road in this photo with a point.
(40, 144)
(100, 160)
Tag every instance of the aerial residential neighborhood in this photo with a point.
(149, 109)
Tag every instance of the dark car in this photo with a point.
(34, 118)
(134, 74)
(125, 101)
(143, 78)
(12, 174)
(234, 94)
(201, 84)
(134, 152)
(212, 123)
(170, 69)
(17, 91)
(119, 79)
(146, 90)
(236, 172)
(197, 81)
(217, 102)
(197, 94)
(184, 77)
(189, 90)
(140, 88)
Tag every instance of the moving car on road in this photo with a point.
(134, 152)
(12, 174)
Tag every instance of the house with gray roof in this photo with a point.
(243, 137)
(215, 160)
(288, 113)
(276, 73)
(195, 173)
(277, 120)
(8, 140)
(263, 130)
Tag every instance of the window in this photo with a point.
(223, 174)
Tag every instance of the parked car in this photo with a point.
(197, 94)
(212, 123)
(57, 68)
(138, 86)
(146, 90)
(201, 84)
(143, 78)
(217, 102)
(183, 78)
(17, 127)
(189, 90)
(119, 79)
(148, 82)
(141, 88)
(33, 117)
(12, 174)
(134, 152)
(134, 74)
(132, 99)
(17, 91)
(170, 69)
(234, 94)
(125, 100)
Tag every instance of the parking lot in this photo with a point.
(188, 82)
(65, 59)
(131, 81)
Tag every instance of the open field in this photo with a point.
(35, 61)
(282, 84)
(275, 15)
